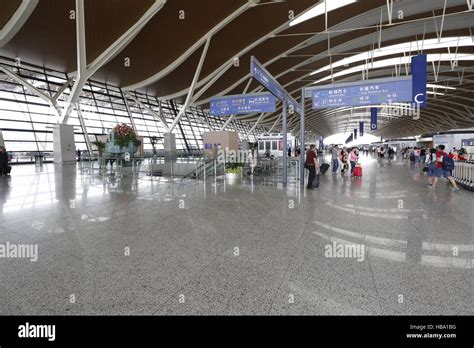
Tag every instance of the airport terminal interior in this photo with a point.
(236, 157)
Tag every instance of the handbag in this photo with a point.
(425, 169)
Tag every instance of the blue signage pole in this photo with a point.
(258, 72)
(361, 128)
(285, 141)
(302, 154)
(355, 134)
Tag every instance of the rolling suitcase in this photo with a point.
(316, 181)
(324, 168)
(358, 171)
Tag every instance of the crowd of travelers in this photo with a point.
(344, 158)
(435, 161)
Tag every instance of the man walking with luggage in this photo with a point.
(335, 158)
(311, 164)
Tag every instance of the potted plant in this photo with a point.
(123, 135)
(233, 170)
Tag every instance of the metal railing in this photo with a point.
(463, 174)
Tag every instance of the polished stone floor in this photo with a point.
(119, 244)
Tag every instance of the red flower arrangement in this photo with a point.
(123, 134)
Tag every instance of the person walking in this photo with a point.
(310, 164)
(335, 159)
(382, 152)
(344, 160)
(431, 164)
(416, 153)
(390, 153)
(446, 165)
(422, 155)
(3, 161)
(353, 159)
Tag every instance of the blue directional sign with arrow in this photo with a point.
(243, 104)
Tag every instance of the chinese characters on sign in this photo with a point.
(363, 93)
(243, 104)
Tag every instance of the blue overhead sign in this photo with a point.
(243, 104)
(373, 119)
(363, 93)
(350, 139)
(258, 72)
(419, 74)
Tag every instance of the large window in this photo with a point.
(26, 120)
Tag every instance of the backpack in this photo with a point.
(448, 163)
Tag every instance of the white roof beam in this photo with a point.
(162, 73)
(84, 72)
(16, 21)
(51, 101)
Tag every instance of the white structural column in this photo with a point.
(81, 77)
(84, 72)
(193, 84)
(129, 112)
(158, 117)
(16, 21)
(84, 129)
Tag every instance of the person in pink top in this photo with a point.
(353, 159)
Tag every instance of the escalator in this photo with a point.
(210, 166)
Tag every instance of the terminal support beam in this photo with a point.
(274, 125)
(231, 117)
(157, 117)
(129, 112)
(211, 82)
(16, 21)
(81, 60)
(51, 101)
(84, 129)
(177, 62)
(193, 85)
(84, 72)
(262, 115)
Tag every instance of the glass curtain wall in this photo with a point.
(26, 120)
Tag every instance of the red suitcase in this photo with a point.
(358, 171)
